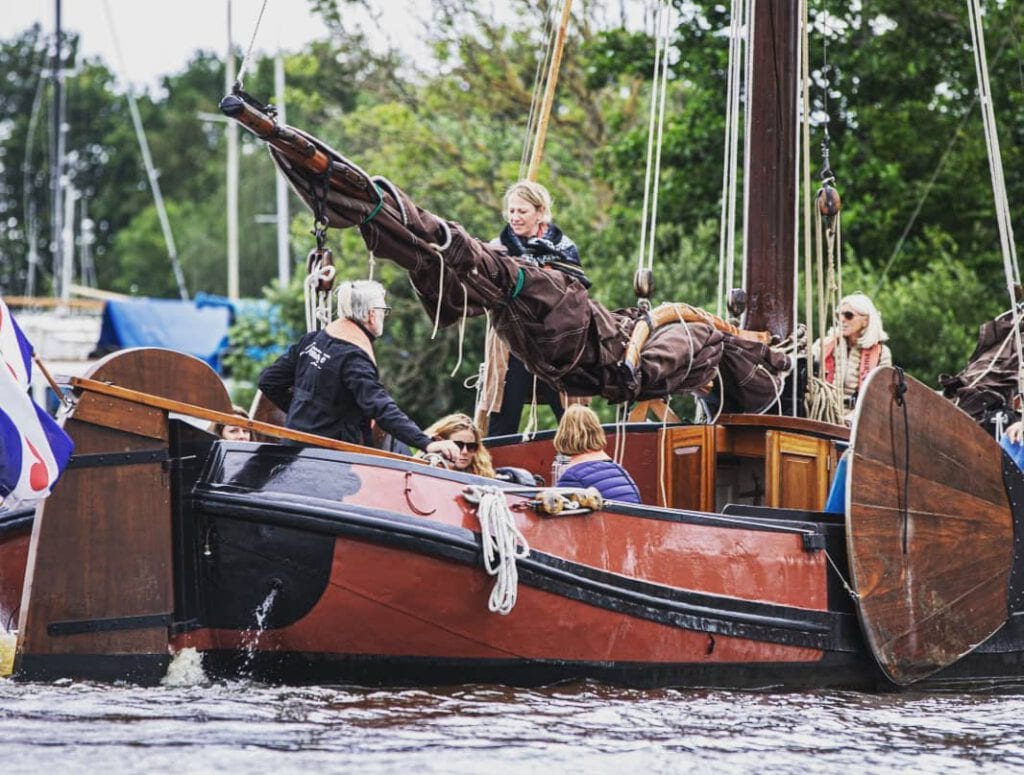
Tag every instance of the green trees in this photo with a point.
(895, 83)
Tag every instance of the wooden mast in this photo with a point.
(771, 167)
(481, 417)
(549, 92)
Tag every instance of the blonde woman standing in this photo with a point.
(529, 233)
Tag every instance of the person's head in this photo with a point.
(473, 455)
(527, 208)
(365, 302)
(233, 432)
(860, 321)
(579, 431)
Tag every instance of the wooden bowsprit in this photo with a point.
(930, 527)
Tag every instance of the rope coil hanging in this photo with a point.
(502, 544)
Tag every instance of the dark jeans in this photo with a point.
(518, 392)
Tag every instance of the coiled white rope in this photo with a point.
(318, 303)
(503, 544)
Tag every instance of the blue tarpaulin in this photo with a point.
(184, 326)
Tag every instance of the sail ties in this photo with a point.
(502, 544)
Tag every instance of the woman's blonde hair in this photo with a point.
(532, 192)
(481, 464)
(873, 331)
(579, 431)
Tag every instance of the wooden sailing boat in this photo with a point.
(309, 563)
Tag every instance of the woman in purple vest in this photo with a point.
(581, 437)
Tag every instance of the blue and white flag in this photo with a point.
(33, 448)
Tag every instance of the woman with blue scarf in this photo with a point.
(529, 233)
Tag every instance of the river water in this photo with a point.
(202, 727)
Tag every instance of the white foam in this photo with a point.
(186, 669)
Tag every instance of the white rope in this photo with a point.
(662, 492)
(664, 32)
(749, 69)
(539, 87)
(531, 417)
(995, 163)
(318, 303)
(621, 417)
(503, 544)
(440, 289)
(727, 231)
(655, 130)
(252, 42)
(462, 327)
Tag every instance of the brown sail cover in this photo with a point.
(546, 316)
(988, 382)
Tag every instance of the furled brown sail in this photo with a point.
(545, 316)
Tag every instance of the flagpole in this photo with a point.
(53, 383)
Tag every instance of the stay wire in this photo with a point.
(248, 53)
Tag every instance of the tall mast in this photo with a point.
(232, 173)
(770, 178)
(284, 261)
(56, 242)
(549, 91)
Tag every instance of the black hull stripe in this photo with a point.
(19, 521)
(714, 614)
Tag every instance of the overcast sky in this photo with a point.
(157, 37)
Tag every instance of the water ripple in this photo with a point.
(243, 726)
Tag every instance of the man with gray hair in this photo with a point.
(328, 383)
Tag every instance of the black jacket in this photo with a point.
(331, 387)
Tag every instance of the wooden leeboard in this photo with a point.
(931, 573)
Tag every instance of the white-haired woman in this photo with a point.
(855, 349)
(328, 382)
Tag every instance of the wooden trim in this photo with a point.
(656, 406)
(22, 302)
(179, 407)
(795, 424)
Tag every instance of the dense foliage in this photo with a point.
(893, 83)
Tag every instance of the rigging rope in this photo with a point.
(730, 165)
(539, 83)
(248, 52)
(147, 159)
(655, 128)
(1011, 268)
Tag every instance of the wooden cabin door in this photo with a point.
(689, 477)
(797, 470)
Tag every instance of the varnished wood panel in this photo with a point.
(796, 470)
(101, 543)
(930, 533)
(690, 455)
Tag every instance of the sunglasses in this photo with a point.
(847, 315)
(467, 446)
(385, 311)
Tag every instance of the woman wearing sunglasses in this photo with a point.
(855, 348)
(473, 457)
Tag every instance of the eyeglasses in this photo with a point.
(847, 315)
(467, 446)
(385, 311)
